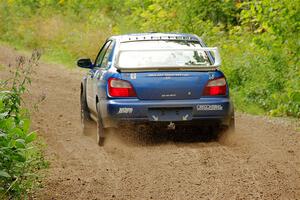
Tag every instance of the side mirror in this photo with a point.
(85, 63)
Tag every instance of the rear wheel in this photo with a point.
(101, 131)
(231, 127)
(227, 130)
(85, 115)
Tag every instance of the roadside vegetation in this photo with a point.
(259, 39)
(20, 152)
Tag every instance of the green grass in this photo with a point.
(17, 46)
(53, 55)
(59, 56)
(242, 106)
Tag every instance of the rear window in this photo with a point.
(140, 54)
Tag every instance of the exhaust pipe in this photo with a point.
(171, 126)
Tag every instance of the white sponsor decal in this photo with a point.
(211, 76)
(184, 118)
(155, 118)
(168, 95)
(133, 75)
(168, 75)
(125, 110)
(209, 107)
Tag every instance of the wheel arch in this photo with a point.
(83, 85)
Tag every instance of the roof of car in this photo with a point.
(155, 36)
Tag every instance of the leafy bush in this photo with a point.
(258, 39)
(20, 157)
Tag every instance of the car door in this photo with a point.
(102, 63)
(93, 73)
(106, 62)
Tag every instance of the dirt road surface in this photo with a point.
(260, 161)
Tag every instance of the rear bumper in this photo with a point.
(182, 111)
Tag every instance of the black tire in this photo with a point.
(85, 115)
(230, 129)
(101, 131)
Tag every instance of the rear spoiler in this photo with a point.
(216, 60)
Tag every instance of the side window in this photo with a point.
(101, 54)
(107, 56)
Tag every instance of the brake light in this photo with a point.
(215, 87)
(120, 88)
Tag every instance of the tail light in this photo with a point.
(120, 88)
(215, 87)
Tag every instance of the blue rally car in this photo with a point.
(155, 79)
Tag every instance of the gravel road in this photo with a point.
(260, 161)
